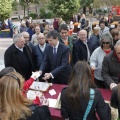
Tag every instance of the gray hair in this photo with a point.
(24, 33)
(107, 36)
(17, 37)
(117, 43)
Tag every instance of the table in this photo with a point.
(56, 113)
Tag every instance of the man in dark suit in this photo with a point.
(57, 59)
(81, 48)
(19, 57)
(40, 50)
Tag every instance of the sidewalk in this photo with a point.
(4, 44)
(6, 39)
(1, 65)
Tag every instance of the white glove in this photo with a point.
(93, 67)
(35, 75)
(112, 85)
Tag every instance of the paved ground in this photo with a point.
(4, 44)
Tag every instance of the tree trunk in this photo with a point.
(90, 10)
(28, 8)
(36, 9)
(24, 11)
(84, 10)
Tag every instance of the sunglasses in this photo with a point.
(105, 42)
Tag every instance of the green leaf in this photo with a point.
(64, 8)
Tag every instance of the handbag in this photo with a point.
(90, 103)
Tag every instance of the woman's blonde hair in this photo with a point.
(83, 15)
(46, 27)
(96, 30)
(13, 105)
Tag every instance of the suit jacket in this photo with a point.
(80, 51)
(98, 106)
(60, 67)
(30, 45)
(38, 55)
(13, 59)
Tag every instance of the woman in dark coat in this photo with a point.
(95, 38)
(75, 98)
(31, 31)
(83, 21)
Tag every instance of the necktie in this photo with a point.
(54, 53)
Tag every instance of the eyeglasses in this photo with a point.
(15, 77)
(105, 42)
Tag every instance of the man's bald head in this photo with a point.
(25, 33)
(82, 31)
(82, 35)
(41, 35)
(41, 39)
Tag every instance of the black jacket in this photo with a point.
(39, 113)
(13, 59)
(80, 51)
(98, 106)
(94, 40)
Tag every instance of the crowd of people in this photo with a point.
(61, 59)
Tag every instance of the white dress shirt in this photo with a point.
(21, 49)
(42, 47)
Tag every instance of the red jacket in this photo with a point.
(27, 84)
(55, 24)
